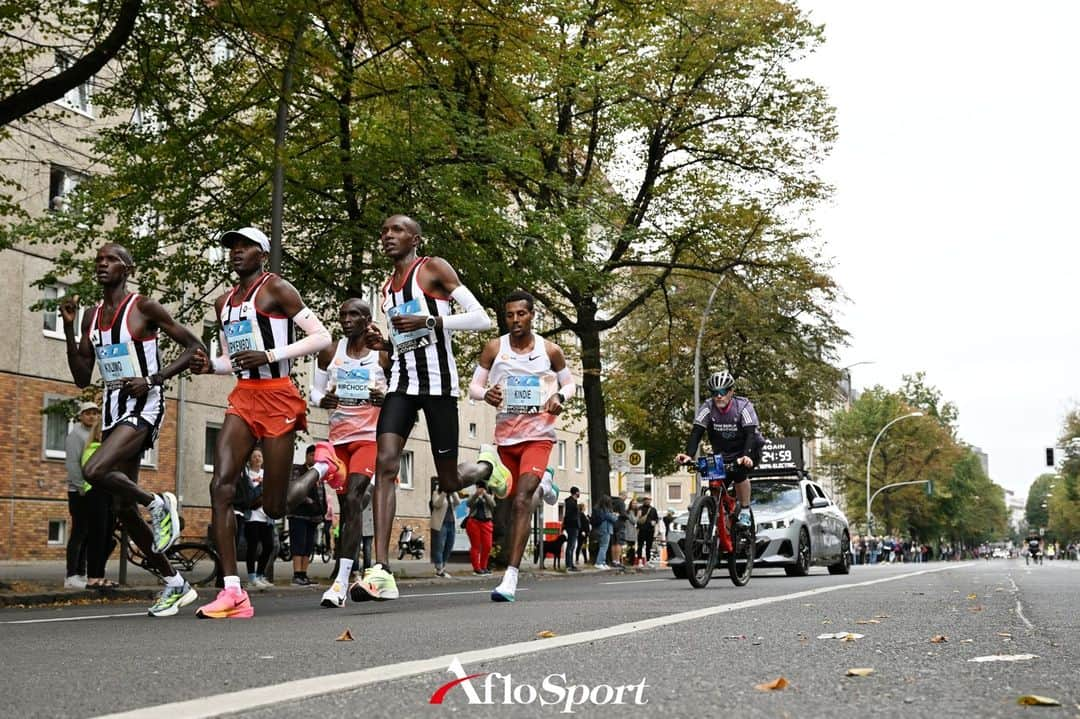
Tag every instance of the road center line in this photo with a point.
(75, 619)
(258, 697)
(637, 581)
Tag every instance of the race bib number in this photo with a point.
(117, 363)
(522, 394)
(409, 341)
(243, 335)
(352, 386)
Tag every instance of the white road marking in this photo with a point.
(75, 619)
(1019, 606)
(258, 697)
(450, 594)
(637, 581)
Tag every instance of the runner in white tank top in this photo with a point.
(120, 336)
(526, 378)
(350, 382)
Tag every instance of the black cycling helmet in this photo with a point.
(720, 382)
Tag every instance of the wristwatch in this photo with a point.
(430, 322)
(156, 380)
(562, 400)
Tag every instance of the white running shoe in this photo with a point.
(549, 488)
(334, 596)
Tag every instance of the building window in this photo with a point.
(77, 98)
(52, 325)
(472, 429)
(62, 182)
(57, 531)
(209, 442)
(674, 493)
(405, 473)
(579, 455)
(562, 454)
(55, 428)
(149, 458)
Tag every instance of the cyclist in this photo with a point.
(732, 425)
(1034, 544)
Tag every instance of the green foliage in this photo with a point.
(966, 506)
(1036, 513)
(1063, 497)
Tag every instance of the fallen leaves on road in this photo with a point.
(1005, 658)
(546, 634)
(1005, 634)
(1034, 700)
(976, 608)
(346, 636)
(860, 672)
(973, 596)
(938, 639)
(774, 685)
(967, 641)
(868, 621)
(881, 616)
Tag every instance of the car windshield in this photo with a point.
(777, 496)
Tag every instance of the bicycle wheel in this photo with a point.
(741, 559)
(700, 541)
(198, 563)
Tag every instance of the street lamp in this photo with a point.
(870, 456)
(845, 372)
(697, 348)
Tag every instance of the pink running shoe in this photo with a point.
(230, 604)
(337, 475)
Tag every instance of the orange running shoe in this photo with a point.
(230, 604)
(337, 475)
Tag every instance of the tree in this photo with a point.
(585, 151)
(1062, 498)
(771, 328)
(1035, 512)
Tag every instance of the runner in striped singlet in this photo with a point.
(257, 345)
(423, 376)
(121, 336)
(526, 378)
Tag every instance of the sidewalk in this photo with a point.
(31, 583)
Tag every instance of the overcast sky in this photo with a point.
(951, 231)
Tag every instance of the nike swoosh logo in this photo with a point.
(290, 421)
(443, 451)
(534, 358)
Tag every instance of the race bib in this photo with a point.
(243, 335)
(117, 363)
(352, 386)
(409, 341)
(522, 394)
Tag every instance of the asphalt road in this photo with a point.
(646, 639)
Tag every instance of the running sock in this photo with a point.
(344, 569)
(509, 581)
(322, 468)
(157, 502)
(232, 582)
(174, 581)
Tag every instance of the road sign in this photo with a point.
(635, 473)
(620, 450)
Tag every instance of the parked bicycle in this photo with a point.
(713, 533)
(197, 561)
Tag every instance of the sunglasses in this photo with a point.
(722, 392)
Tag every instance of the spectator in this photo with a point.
(571, 526)
(583, 536)
(478, 525)
(669, 517)
(304, 519)
(258, 528)
(78, 502)
(618, 508)
(629, 530)
(646, 530)
(99, 532)
(605, 520)
(443, 527)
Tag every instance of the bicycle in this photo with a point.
(712, 530)
(198, 562)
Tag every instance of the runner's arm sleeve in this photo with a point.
(473, 318)
(566, 383)
(319, 378)
(318, 338)
(478, 386)
(696, 433)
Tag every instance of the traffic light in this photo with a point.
(1049, 456)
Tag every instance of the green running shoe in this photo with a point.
(377, 584)
(165, 523)
(171, 599)
(499, 481)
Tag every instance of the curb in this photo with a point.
(60, 596)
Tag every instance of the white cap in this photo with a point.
(86, 407)
(251, 234)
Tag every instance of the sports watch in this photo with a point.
(430, 322)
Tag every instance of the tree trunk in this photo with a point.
(277, 202)
(595, 412)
